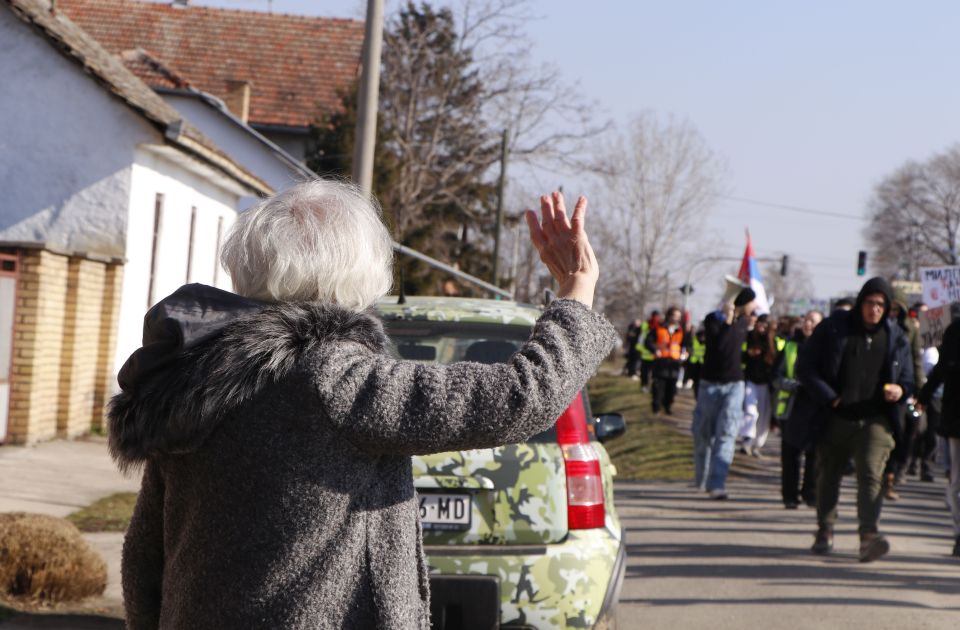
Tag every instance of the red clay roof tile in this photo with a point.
(296, 64)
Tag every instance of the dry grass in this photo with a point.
(654, 447)
(43, 558)
(109, 514)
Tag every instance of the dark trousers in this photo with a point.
(633, 358)
(665, 375)
(869, 442)
(646, 368)
(692, 370)
(664, 391)
(792, 459)
(925, 443)
(897, 463)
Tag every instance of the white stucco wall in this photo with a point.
(66, 147)
(182, 190)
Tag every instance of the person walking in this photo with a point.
(897, 464)
(759, 357)
(669, 345)
(791, 457)
(855, 372)
(719, 410)
(943, 381)
(646, 356)
(275, 430)
(925, 445)
(630, 341)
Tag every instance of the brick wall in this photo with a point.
(66, 314)
(81, 346)
(106, 379)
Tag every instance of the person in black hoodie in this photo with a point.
(855, 373)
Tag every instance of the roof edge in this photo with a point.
(174, 135)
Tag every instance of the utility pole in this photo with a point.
(366, 133)
(500, 187)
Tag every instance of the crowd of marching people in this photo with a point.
(851, 392)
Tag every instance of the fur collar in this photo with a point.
(174, 409)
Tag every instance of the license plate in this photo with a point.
(445, 511)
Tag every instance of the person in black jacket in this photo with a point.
(630, 348)
(719, 410)
(946, 375)
(855, 373)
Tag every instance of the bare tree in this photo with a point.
(915, 216)
(659, 181)
(548, 121)
(453, 79)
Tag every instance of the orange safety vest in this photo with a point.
(669, 346)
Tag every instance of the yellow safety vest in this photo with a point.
(645, 354)
(790, 350)
(699, 351)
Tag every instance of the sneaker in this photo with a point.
(956, 548)
(791, 505)
(823, 541)
(872, 547)
(718, 494)
(926, 476)
(756, 452)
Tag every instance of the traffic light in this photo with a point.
(783, 265)
(862, 263)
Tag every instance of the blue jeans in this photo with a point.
(716, 421)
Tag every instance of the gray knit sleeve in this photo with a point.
(388, 405)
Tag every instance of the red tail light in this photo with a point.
(585, 508)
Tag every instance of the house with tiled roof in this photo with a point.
(111, 200)
(277, 72)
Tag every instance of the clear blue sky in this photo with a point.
(810, 103)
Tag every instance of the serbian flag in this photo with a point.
(750, 276)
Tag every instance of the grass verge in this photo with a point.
(652, 448)
(109, 514)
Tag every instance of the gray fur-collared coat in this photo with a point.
(276, 443)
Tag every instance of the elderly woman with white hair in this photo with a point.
(275, 431)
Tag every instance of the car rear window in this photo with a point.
(449, 342)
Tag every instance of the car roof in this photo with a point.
(453, 309)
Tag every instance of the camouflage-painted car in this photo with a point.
(526, 535)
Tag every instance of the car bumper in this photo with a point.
(573, 584)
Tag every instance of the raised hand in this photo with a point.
(564, 248)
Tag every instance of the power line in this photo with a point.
(797, 209)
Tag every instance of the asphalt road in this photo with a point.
(745, 563)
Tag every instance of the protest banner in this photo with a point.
(933, 322)
(941, 285)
